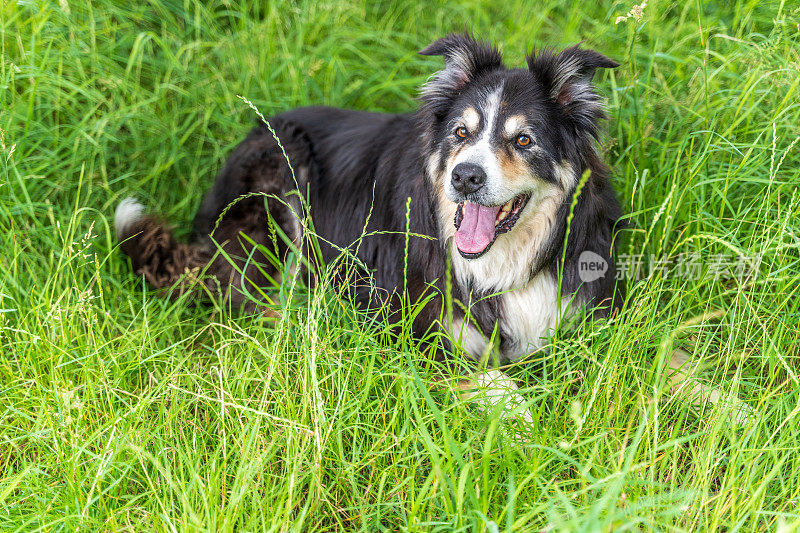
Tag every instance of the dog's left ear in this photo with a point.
(568, 77)
(465, 59)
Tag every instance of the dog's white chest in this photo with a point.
(527, 317)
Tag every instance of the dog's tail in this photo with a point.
(153, 250)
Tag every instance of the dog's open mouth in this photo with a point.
(477, 226)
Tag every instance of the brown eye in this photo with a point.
(461, 131)
(523, 140)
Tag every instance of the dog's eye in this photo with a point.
(461, 132)
(523, 140)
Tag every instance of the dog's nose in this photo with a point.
(468, 178)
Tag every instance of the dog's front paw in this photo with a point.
(493, 389)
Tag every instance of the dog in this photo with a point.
(490, 195)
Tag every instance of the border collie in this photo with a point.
(482, 177)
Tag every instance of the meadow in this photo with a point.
(121, 410)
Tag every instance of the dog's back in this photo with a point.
(356, 188)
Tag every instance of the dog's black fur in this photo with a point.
(358, 166)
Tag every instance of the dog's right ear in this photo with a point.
(464, 60)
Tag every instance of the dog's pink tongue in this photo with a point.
(477, 228)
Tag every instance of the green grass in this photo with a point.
(125, 411)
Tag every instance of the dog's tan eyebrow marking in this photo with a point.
(513, 125)
(471, 118)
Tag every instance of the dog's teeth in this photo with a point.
(501, 216)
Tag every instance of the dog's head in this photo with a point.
(507, 145)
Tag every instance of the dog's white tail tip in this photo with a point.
(128, 212)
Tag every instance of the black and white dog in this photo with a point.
(490, 162)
